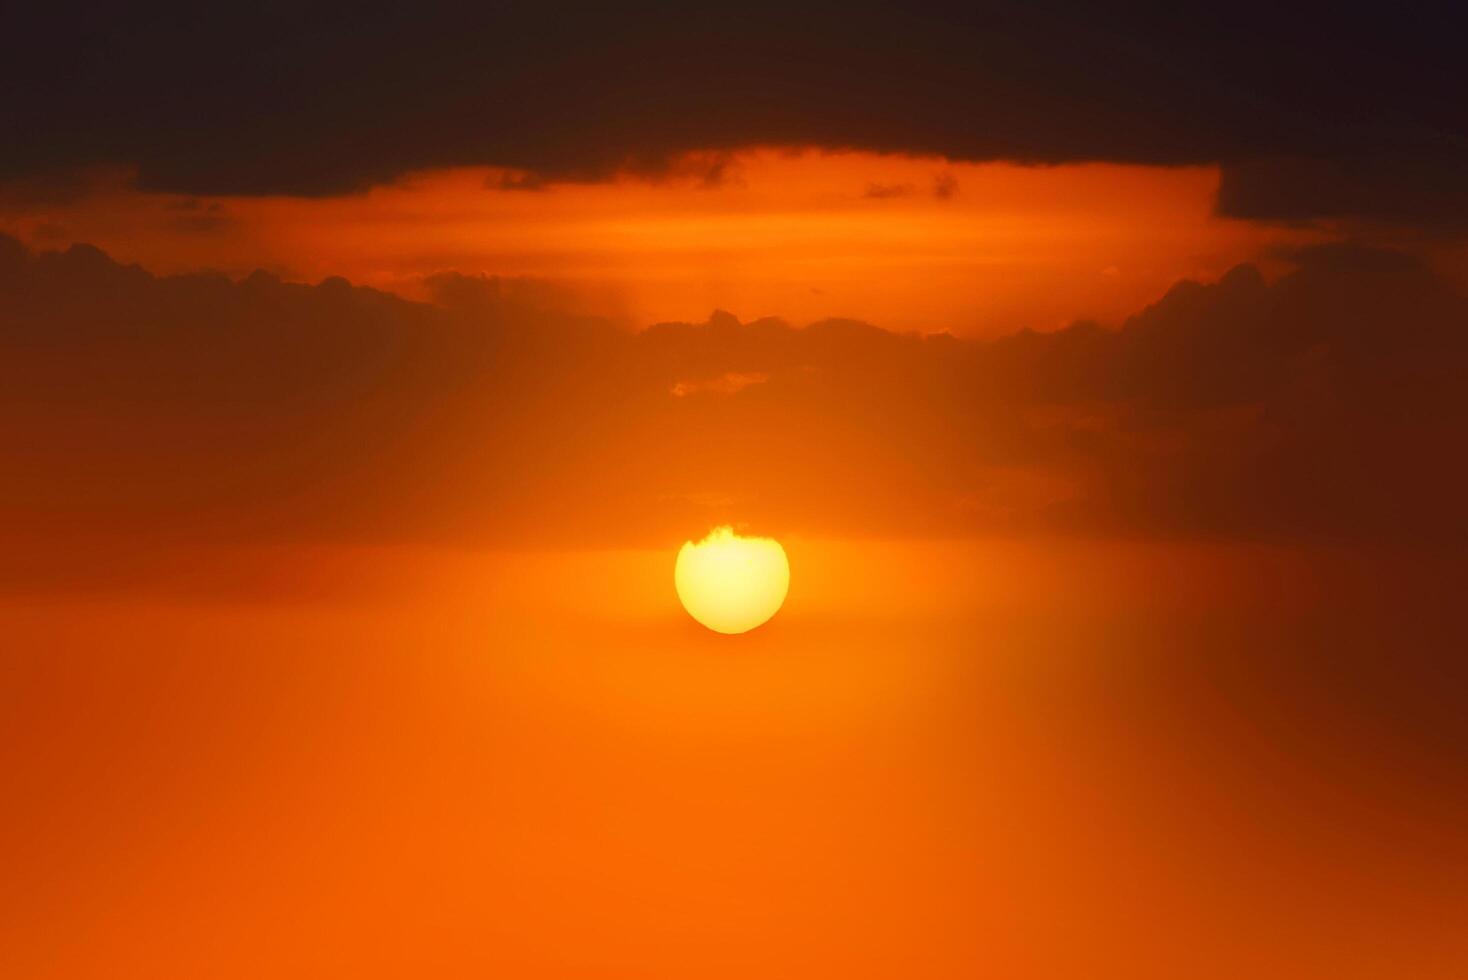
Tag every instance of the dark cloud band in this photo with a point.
(198, 410)
(323, 99)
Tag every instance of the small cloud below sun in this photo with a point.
(725, 384)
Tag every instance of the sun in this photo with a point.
(732, 584)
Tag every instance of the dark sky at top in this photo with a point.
(1314, 111)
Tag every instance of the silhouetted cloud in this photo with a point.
(1355, 114)
(517, 181)
(195, 410)
(884, 191)
(1424, 187)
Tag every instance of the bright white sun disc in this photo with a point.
(731, 584)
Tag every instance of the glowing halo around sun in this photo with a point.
(732, 584)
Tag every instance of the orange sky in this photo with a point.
(340, 636)
(1027, 758)
(907, 243)
(1102, 374)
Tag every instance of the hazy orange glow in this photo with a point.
(909, 243)
(1099, 610)
(1014, 754)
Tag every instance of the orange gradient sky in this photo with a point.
(1040, 758)
(1093, 381)
(910, 243)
